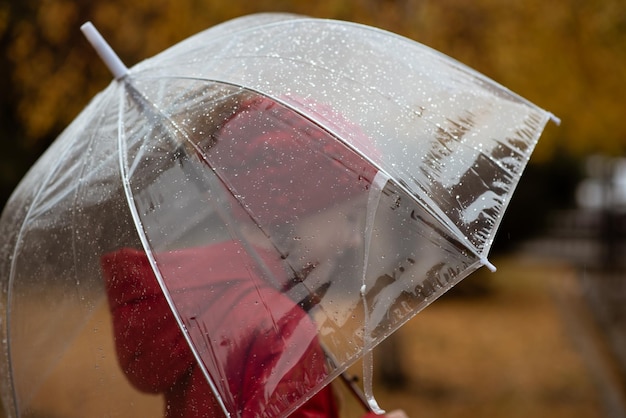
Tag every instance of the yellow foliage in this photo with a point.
(568, 57)
(55, 20)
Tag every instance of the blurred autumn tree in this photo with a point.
(568, 57)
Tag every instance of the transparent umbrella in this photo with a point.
(234, 222)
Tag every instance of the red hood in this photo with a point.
(248, 334)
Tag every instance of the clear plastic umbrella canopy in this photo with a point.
(232, 223)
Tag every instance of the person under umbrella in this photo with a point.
(233, 295)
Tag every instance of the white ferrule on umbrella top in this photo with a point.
(110, 58)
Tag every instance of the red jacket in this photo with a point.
(260, 347)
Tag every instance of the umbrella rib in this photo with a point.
(125, 177)
(165, 120)
(18, 240)
(373, 200)
(431, 206)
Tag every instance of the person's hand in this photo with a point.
(398, 413)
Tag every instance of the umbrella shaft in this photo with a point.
(350, 382)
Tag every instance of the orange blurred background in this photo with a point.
(542, 337)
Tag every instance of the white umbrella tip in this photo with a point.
(488, 264)
(104, 50)
(555, 119)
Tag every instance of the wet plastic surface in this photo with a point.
(276, 181)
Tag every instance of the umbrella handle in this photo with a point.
(350, 382)
(312, 299)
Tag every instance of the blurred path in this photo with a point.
(606, 294)
(527, 344)
(592, 341)
(596, 293)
